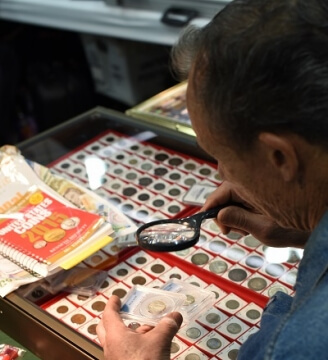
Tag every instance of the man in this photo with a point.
(258, 101)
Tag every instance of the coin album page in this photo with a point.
(148, 182)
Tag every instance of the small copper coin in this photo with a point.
(139, 280)
(78, 319)
(120, 293)
(157, 268)
(62, 309)
(92, 329)
(121, 272)
(141, 260)
(98, 306)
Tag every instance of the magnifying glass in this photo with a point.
(174, 234)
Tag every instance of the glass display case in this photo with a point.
(149, 170)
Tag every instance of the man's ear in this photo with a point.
(281, 153)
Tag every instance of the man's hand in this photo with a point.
(247, 220)
(145, 343)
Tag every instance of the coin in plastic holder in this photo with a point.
(257, 282)
(231, 304)
(218, 292)
(247, 334)
(138, 278)
(237, 274)
(89, 329)
(120, 290)
(212, 343)
(212, 318)
(177, 347)
(77, 318)
(274, 287)
(232, 328)
(197, 300)
(148, 305)
(196, 281)
(251, 313)
(230, 352)
(140, 259)
(192, 332)
(174, 273)
(60, 308)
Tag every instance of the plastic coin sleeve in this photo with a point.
(212, 343)
(232, 328)
(231, 304)
(148, 306)
(192, 332)
(61, 308)
(77, 318)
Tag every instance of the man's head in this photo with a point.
(258, 97)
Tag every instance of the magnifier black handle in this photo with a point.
(212, 213)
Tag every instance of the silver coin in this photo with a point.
(235, 254)
(251, 241)
(217, 246)
(193, 333)
(214, 343)
(156, 307)
(232, 354)
(234, 328)
(237, 275)
(200, 259)
(254, 261)
(257, 284)
(253, 314)
(273, 289)
(174, 347)
(218, 266)
(213, 318)
(232, 304)
(234, 235)
(192, 357)
(189, 300)
(275, 270)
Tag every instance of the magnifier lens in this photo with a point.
(167, 233)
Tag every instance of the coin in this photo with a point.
(158, 203)
(218, 266)
(214, 343)
(145, 181)
(174, 209)
(126, 208)
(121, 272)
(251, 241)
(175, 176)
(98, 306)
(133, 325)
(62, 309)
(232, 304)
(275, 270)
(189, 181)
(253, 314)
(143, 197)
(254, 261)
(156, 307)
(157, 268)
(205, 171)
(175, 276)
(92, 329)
(131, 176)
(96, 259)
(234, 235)
(159, 186)
(257, 284)
(200, 259)
(189, 300)
(141, 260)
(160, 171)
(141, 214)
(232, 354)
(217, 246)
(174, 347)
(192, 357)
(193, 333)
(175, 161)
(161, 157)
(129, 191)
(235, 254)
(139, 280)
(54, 235)
(174, 192)
(190, 166)
(118, 171)
(274, 288)
(234, 328)
(146, 166)
(213, 318)
(237, 275)
(78, 319)
(119, 292)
